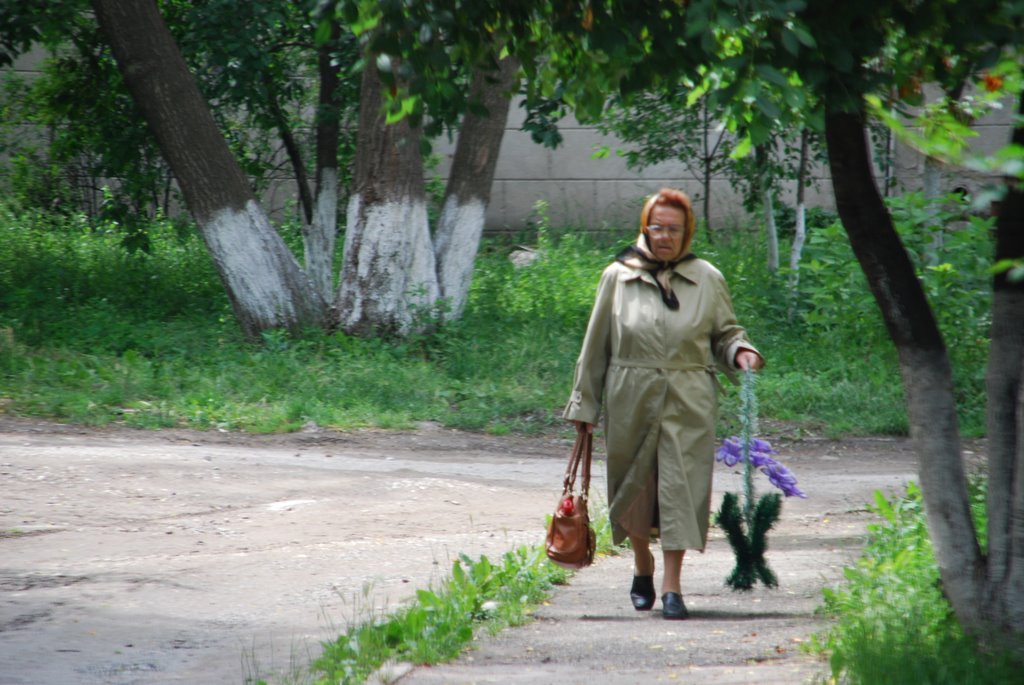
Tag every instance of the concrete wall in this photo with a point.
(603, 194)
(993, 132)
(600, 194)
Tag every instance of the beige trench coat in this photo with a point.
(656, 368)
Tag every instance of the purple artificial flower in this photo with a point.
(731, 454)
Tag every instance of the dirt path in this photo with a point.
(141, 557)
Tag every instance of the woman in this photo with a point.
(661, 326)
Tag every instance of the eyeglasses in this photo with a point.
(675, 229)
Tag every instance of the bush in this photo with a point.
(893, 624)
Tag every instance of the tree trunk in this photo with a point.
(765, 187)
(708, 161)
(800, 235)
(771, 230)
(1005, 385)
(924, 364)
(889, 176)
(389, 274)
(932, 190)
(266, 287)
(800, 231)
(291, 148)
(320, 234)
(461, 223)
(1006, 460)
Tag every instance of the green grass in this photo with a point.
(892, 623)
(437, 623)
(93, 333)
(440, 622)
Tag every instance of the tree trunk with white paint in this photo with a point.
(800, 230)
(320, 233)
(800, 235)
(265, 284)
(389, 275)
(461, 223)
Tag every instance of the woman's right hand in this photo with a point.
(584, 427)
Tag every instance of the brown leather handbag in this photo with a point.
(571, 541)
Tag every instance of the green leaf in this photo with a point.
(790, 42)
(1014, 268)
(707, 42)
(350, 11)
(728, 21)
(760, 132)
(815, 120)
(795, 98)
(804, 36)
(768, 107)
(841, 57)
(884, 507)
(429, 599)
(364, 24)
(323, 32)
(458, 573)
(406, 106)
(770, 73)
(743, 148)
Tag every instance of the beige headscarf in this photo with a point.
(639, 255)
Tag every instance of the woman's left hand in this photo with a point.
(749, 360)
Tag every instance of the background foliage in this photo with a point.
(95, 332)
(74, 141)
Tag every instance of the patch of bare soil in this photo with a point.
(177, 556)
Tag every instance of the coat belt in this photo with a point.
(662, 364)
(670, 366)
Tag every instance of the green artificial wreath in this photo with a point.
(747, 527)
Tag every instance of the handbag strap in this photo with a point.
(582, 452)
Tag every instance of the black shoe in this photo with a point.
(642, 593)
(672, 607)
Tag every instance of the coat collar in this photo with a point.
(689, 270)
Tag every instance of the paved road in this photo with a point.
(589, 634)
(181, 557)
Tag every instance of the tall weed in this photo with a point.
(440, 622)
(893, 624)
(839, 320)
(556, 288)
(831, 367)
(437, 624)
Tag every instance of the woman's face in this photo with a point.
(665, 228)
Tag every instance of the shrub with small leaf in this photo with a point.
(892, 623)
